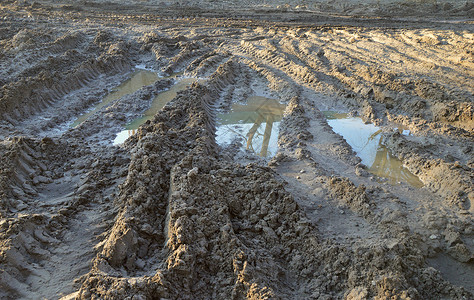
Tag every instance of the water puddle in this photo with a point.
(256, 123)
(366, 141)
(157, 104)
(137, 80)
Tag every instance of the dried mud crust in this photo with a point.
(172, 215)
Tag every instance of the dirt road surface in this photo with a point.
(179, 212)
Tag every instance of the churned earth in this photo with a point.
(244, 150)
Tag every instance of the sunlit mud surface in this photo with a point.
(255, 124)
(137, 80)
(217, 193)
(366, 140)
(159, 101)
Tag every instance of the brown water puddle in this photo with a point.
(137, 80)
(157, 104)
(366, 141)
(256, 123)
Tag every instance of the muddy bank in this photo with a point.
(175, 213)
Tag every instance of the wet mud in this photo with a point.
(255, 123)
(158, 102)
(136, 81)
(237, 185)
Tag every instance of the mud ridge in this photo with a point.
(42, 92)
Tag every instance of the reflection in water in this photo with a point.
(138, 80)
(160, 101)
(157, 104)
(366, 141)
(123, 135)
(256, 122)
(388, 166)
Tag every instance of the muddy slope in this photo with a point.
(171, 214)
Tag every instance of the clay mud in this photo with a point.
(236, 186)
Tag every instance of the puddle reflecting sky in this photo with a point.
(137, 80)
(157, 104)
(255, 123)
(366, 141)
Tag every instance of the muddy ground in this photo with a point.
(171, 214)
